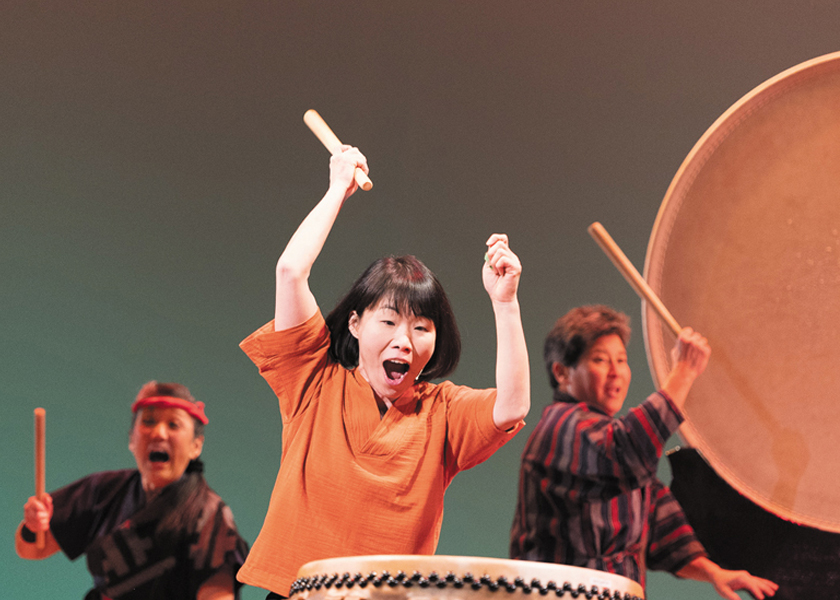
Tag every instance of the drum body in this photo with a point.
(746, 249)
(453, 577)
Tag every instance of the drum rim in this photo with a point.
(653, 331)
(340, 565)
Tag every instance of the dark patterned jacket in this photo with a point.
(106, 517)
(589, 495)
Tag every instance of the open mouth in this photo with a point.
(158, 456)
(395, 370)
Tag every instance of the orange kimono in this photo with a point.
(351, 483)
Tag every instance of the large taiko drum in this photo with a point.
(453, 577)
(746, 249)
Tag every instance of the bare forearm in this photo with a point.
(306, 243)
(294, 301)
(513, 375)
(699, 569)
(678, 384)
(691, 355)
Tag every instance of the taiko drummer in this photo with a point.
(588, 491)
(157, 531)
(369, 444)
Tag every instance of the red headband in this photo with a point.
(193, 409)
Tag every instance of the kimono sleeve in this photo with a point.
(291, 361)
(673, 543)
(472, 436)
(82, 509)
(620, 453)
(217, 544)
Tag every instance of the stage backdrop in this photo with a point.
(153, 163)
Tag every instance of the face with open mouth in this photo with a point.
(394, 347)
(163, 442)
(602, 375)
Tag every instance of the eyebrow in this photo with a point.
(595, 352)
(394, 309)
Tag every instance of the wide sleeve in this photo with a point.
(291, 361)
(471, 434)
(673, 543)
(618, 454)
(217, 544)
(72, 523)
(82, 510)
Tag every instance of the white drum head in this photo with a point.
(454, 578)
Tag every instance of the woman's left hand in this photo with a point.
(501, 270)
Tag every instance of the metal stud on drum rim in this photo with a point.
(746, 249)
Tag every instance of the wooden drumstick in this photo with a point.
(633, 277)
(40, 465)
(323, 132)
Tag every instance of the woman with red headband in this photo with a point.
(157, 531)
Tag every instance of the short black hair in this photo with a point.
(412, 288)
(575, 332)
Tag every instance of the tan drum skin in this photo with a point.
(746, 249)
(453, 577)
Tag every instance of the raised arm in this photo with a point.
(36, 517)
(294, 302)
(691, 355)
(501, 274)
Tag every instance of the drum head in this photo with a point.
(746, 249)
(414, 577)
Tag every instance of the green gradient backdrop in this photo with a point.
(153, 162)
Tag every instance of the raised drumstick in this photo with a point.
(40, 465)
(323, 132)
(633, 277)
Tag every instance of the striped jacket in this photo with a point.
(589, 495)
